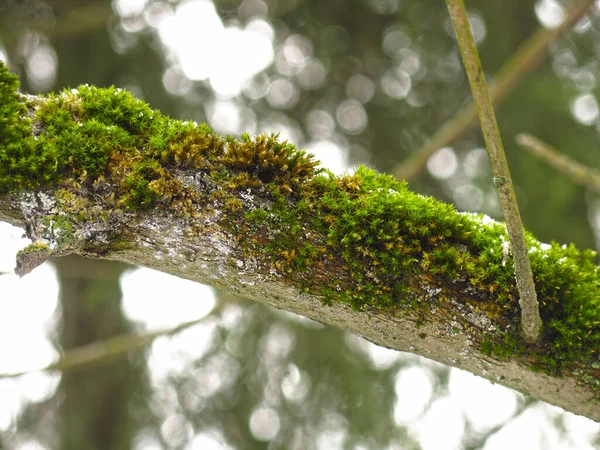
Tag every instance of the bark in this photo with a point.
(253, 218)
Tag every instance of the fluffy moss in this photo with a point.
(14, 129)
(400, 249)
(393, 242)
(34, 248)
(87, 133)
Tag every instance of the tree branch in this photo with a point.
(106, 351)
(531, 323)
(579, 173)
(97, 173)
(523, 61)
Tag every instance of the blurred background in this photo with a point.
(354, 82)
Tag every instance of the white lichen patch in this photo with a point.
(35, 206)
(479, 319)
(464, 352)
(248, 198)
(454, 327)
(431, 291)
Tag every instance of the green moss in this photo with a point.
(34, 248)
(395, 249)
(394, 243)
(14, 127)
(131, 144)
(63, 229)
(504, 346)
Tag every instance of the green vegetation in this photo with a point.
(34, 248)
(398, 245)
(401, 249)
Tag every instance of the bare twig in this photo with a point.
(105, 351)
(478, 440)
(579, 173)
(523, 61)
(531, 322)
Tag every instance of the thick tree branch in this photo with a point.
(97, 173)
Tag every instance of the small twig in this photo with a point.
(477, 441)
(523, 61)
(530, 315)
(579, 173)
(105, 351)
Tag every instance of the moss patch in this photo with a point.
(388, 237)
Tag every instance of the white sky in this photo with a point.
(190, 34)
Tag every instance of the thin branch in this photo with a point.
(105, 351)
(523, 61)
(73, 21)
(579, 173)
(70, 20)
(531, 322)
(478, 441)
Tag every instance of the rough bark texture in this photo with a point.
(255, 218)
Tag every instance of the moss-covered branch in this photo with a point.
(98, 173)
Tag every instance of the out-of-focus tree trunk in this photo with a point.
(95, 403)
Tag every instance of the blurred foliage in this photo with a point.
(395, 60)
(104, 406)
(305, 371)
